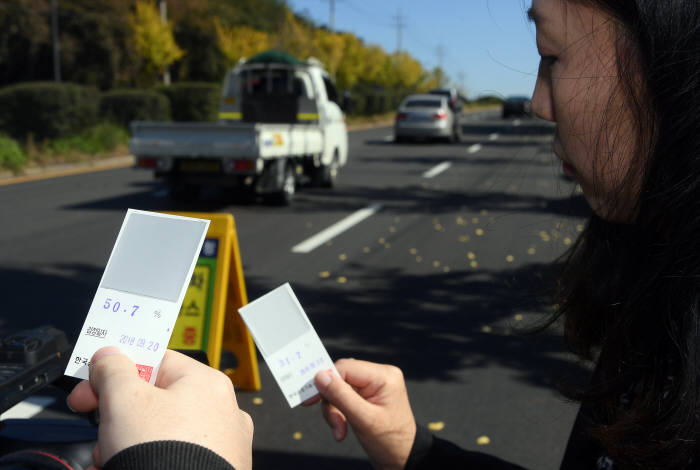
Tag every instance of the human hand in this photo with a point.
(190, 402)
(373, 399)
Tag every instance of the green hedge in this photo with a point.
(370, 103)
(193, 101)
(11, 155)
(47, 110)
(122, 106)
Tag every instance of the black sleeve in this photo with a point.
(429, 452)
(167, 455)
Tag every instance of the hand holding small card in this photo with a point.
(141, 291)
(288, 343)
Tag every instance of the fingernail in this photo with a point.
(106, 351)
(68, 404)
(337, 434)
(323, 379)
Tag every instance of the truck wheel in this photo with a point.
(326, 176)
(287, 187)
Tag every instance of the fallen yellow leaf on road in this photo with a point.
(436, 426)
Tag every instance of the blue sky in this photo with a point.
(488, 45)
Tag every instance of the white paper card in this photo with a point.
(141, 290)
(288, 342)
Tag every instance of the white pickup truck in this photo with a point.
(280, 123)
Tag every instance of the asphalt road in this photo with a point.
(441, 281)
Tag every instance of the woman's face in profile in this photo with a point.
(578, 88)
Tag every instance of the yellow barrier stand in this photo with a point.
(209, 318)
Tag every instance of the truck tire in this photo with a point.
(326, 176)
(286, 186)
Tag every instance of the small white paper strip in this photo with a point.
(141, 290)
(288, 343)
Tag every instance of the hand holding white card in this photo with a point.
(141, 291)
(288, 343)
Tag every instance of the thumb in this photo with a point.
(111, 369)
(341, 395)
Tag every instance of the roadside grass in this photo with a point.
(99, 141)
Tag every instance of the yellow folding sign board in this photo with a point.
(209, 318)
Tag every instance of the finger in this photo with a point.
(111, 370)
(312, 401)
(339, 393)
(82, 398)
(361, 374)
(336, 420)
(175, 366)
(96, 456)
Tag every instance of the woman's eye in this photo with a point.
(548, 60)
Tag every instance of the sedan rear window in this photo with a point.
(422, 104)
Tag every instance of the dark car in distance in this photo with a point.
(517, 106)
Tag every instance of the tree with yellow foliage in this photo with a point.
(240, 41)
(329, 48)
(154, 40)
(295, 37)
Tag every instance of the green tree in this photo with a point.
(154, 40)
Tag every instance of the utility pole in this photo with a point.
(400, 25)
(332, 13)
(164, 21)
(440, 52)
(55, 41)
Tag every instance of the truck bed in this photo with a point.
(224, 140)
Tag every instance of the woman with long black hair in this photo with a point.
(621, 80)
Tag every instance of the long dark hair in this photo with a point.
(629, 293)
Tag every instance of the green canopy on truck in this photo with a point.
(274, 56)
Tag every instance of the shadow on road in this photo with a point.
(425, 200)
(440, 326)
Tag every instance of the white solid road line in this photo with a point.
(493, 136)
(336, 229)
(437, 169)
(474, 148)
(28, 408)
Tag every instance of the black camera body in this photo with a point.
(29, 361)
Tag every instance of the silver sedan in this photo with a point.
(425, 117)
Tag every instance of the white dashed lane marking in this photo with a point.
(437, 169)
(474, 148)
(336, 229)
